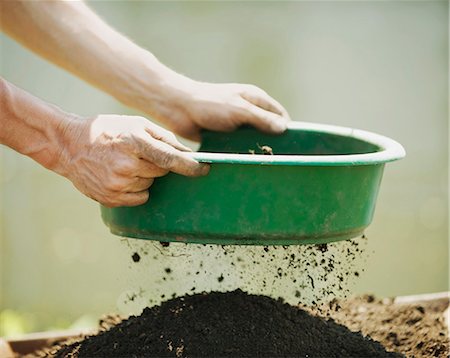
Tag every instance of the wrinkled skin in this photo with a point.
(115, 159)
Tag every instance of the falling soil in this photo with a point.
(307, 274)
(136, 257)
(232, 324)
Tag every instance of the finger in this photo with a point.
(167, 157)
(264, 120)
(166, 136)
(133, 199)
(126, 199)
(139, 184)
(149, 170)
(260, 98)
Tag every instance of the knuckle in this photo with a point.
(166, 159)
(124, 168)
(144, 184)
(114, 185)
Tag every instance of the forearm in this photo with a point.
(31, 126)
(72, 36)
(69, 34)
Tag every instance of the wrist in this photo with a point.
(154, 88)
(32, 127)
(68, 136)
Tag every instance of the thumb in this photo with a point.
(167, 157)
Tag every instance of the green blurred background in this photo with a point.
(379, 66)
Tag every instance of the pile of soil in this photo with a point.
(414, 329)
(230, 324)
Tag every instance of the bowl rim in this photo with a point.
(389, 151)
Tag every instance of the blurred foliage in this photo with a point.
(14, 323)
(18, 322)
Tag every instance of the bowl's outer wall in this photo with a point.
(252, 204)
(259, 204)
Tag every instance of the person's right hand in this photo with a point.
(114, 159)
(186, 106)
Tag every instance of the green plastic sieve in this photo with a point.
(320, 185)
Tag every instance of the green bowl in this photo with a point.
(320, 185)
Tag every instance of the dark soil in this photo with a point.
(414, 329)
(136, 257)
(232, 324)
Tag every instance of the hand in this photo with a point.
(115, 159)
(188, 106)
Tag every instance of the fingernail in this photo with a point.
(204, 169)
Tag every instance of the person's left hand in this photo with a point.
(115, 159)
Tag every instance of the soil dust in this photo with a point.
(307, 274)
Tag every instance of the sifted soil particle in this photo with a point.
(136, 257)
(232, 324)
